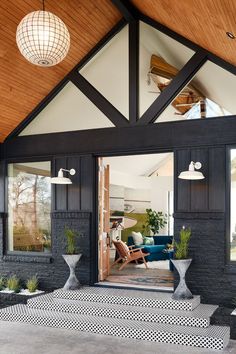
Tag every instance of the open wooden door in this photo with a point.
(104, 221)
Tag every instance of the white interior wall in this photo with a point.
(117, 195)
(160, 186)
(217, 84)
(139, 199)
(151, 189)
(147, 93)
(128, 180)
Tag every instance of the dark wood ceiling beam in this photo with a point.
(175, 87)
(133, 72)
(98, 99)
(117, 141)
(128, 10)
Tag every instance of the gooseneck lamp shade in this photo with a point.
(60, 179)
(43, 38)
(192, 174)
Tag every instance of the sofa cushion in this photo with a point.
(153, 248)
(138, 238)
(162, 240)
(148, 240)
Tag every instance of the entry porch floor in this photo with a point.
(159, 277)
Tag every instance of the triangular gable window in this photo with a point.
(161, 59)
(209, 94)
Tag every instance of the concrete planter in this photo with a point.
(182, 292)
(72, 282)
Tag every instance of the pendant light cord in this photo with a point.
(43, 6)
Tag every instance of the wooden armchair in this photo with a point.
(128, 254)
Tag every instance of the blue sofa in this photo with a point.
(156, 250)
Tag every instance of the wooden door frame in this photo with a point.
(95, 265)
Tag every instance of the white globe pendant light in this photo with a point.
(43, 38)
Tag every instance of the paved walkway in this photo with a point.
(19, 338)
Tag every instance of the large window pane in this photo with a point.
(161, 59)
(233, 207)
(29, 206)
(209, 94)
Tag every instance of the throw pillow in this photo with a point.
(125, 246)
(148, 241)
(138, 238)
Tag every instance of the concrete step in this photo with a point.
(199, 317)
(150, 299)
(213, 337)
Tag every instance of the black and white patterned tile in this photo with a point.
(199, 317)
(213, 337)
(128, 297)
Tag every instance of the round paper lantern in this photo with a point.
(43, 38)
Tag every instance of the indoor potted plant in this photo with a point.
(182, 263)
(156, 220)
(71, 257)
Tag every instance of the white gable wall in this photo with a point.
(69, 110)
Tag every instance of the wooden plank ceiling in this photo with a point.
(204, 22)
(24, 85)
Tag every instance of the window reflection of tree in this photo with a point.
(30, 199)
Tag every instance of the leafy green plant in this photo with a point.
(71, 241)
(13, 283)
(47, 244)
(32, 284)
(2, 283)
(155, 221)
(181, 247)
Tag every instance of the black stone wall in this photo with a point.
(51, 269)
(201, 205)
(208, 274)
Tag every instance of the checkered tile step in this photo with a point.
(213, 337)
(199, 317)
(128, 297)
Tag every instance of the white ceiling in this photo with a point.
(137, 165)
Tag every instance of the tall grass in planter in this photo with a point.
(182, 263)
(71, 257)
(2, 283)
(32, 284)
(13, 283)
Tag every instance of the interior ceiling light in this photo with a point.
(43, 38)
(230, 35)
(191, 173)
(60, 179)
